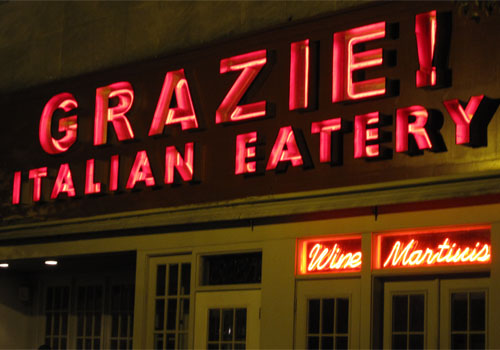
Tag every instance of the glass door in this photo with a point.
(464, 314)
(227, 320)
(328, 314)
(169, 303)
(411, 315)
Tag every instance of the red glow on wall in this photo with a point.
(462, 246)
(174, 161)
(416, 129)
(250, 64)
(64, 182)
(183, 114)
(463, 118)
(36, 175)
(285, 149)
(141, 171)
(67, 125)
(329, 255)
(299, 75)
(425, 31)
(362, 134)
(114, 167)
(243, 153)
(346, 61)
(16, 188)
(325, 129)
(116, 115)
(90, 186)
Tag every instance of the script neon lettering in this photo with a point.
(325, 258)
(448, 252)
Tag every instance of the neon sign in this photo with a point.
(301, 103)
(329, 255)
(432, 248)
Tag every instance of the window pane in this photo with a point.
(399, 341)
(48, 324)
(459, 311)
(313, 343)
(477, 311)
(97, 344)
(213, 324)
(416, 341)
(64, 323)
(417, 310)
(97, 324)
(170, 341)
(459, 341)
(159, 314)
(183, 341)
(327, 316)
(158, 342)
(341, 342)
(313, 316)
(240, 332)
(326, 342)
(399, 313)
(184, 315)
(185, 279)
(227, 324)
(477, 341)
(342, 315)
(49, 303)
(160, 280)
(171, 313)
(239, 346)
(173, 275)
(124, 325)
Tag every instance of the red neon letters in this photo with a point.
(113, 172)
(243, 153)
(432, 248)
(316, 256)
(36, 175)
(90, 186)
(174, 161)
(463, 118)
(299, 75)
(250, 63)
(416, 129)
(16, 189)
(67, 125)
(425, 31)
(325, 129)
(362, 134)
(346, 61)
(64, 183)
(285, 149)
(116, 115)
(183, 114)
(141, 171)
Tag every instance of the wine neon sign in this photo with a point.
(433, 248)
(330, 255)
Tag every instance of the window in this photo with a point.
(227, 328)
(328, 323)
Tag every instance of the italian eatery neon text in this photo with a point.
(176, 107)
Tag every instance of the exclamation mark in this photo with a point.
(299, 75)
(425, 30)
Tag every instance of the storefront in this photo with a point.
(330, 184)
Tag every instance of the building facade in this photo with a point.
(251, 175)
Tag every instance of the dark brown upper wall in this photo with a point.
(47, 41)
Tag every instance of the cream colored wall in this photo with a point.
(277, 242)
(16, 319)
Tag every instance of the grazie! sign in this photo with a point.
(385, 94)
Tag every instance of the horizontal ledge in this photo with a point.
(269, 206)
